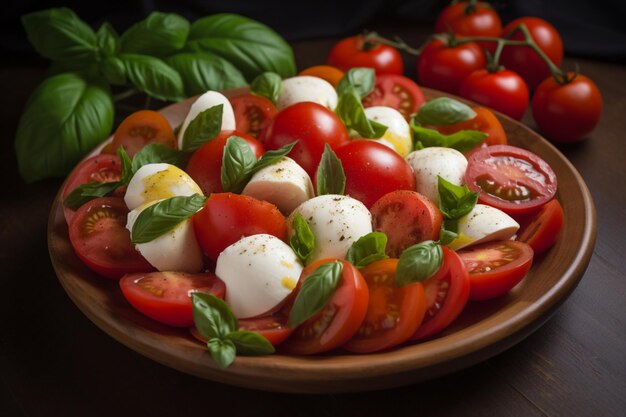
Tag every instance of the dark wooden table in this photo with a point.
(55, 362)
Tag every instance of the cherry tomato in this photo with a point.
(479, 19)
(447, 293)
(166, 296)
(205, 165)
(338, 321)
(485, 121)
(445, 67)
(511, 179)
(542, 231)
(228, 217)
(393, 313)
(396, 91)
(496, 267)
(141, 128)
(407, 218)
(312, 125)
(100, 239)
(566, 113)
(503, 90)
(373, 170)
(252, 113)
(326, 72)
(523, 60)
(274, 328)
(356, 51)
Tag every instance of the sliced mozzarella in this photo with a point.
(483, 224)
(176, 250)
(259, 271)
(307, 88)
(156, 182)
(336, 221)
(284, 184)
(398, 130)
(428, 163)
(204, 102)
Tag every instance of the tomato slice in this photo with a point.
(485, 121)
(100, 239)
(407, 218)
(393, 314)
(166, 296)
(446, 295)
(274, 328)
(542, 231)
(496, 267)
(338, 321)
(396, 91)
(252, 113)
(511, 179)
(140, 129)
(326, 72)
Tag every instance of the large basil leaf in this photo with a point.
(249, 45)
(202, 71)
(107, 40)
(65, 118)
(153, 76)
(160, 34)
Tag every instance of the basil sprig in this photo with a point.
(462, 141)
(268, 85)
(303, 240)
(443, 111)
(315, 292)
(88, 191)
(419, 262)
(217, 323)
(331, 178)
(205, 126)
(454, 202)
(362, 80)
(367, 249)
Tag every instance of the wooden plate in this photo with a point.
(483, 330)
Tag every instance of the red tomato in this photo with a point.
(393, 314)
(373, 170)
(496, 267)
(141, 128)
(485, 121)
(446, 295)
(511, 179)
(503, 90)
(445, 67)
(100, 239)
(252, 113)
(325, 72)
(166, 296)
(205, 165)
(523, 60)
(542, 231)
(228, 217)
(274, 328)
(312, 125)
(407, 218)
(479, 19)
(396, 91)
(357, 52)
(566, 113)
(338, 321)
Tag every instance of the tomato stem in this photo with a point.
(398, 43)
(470, 8)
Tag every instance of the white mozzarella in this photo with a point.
(428, 163)
(204, 102)
(483, 224)
(398, 132)
(336, 221)
(284, 184)
(176, 250)
(259, 271)
(156, 182)
(307, 88)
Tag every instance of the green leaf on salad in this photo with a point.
(444, 111)
(352, 113)
(203, 128)
(419, 262)
(223, 351)
(331, 178)
(303, 240)
(127, 165)
(155, 153)
(367, 249)
(203, 71)
(455, 201)
(160, 34)
(268, 85)
(361, 79)
(88, 191)
(462, 141)
(153, 76)
(212, 316)
(272, 157)
(448, 231)
(250, 343)
(238, 161)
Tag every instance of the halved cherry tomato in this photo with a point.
(338, 321)
(393, 313)
(141, 128)
(511, 179)
(357, 51)
(407, 218)
(326, 72)
(100, 239)
(166, 296)
(485, 121)
(446, 295)
(252, 113)
(542, 231)
(503, 90)
(464, 18)
(396, 91)
(274, 328)
(496, 267)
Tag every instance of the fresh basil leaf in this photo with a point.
(419, 262)
(204, 127)
(361, 79)
(113, 70)
(153, 76)
(87, 192)
(154, 153)
(223, 351)
(303, 240)
(65, 118)
(59, 34)
(249, 45)
(315, 292)
(444, 111)
(455, 201)
(160, 34)
(212, 316)
(462, 141)
(351, 112)
(331, 178)
(203, 71)
(268, 85)
(237, 163)
(250, 343)
(367, 249)
(272, 157)
(127, 166)
(159, 218)
(107, 40)
(448, 231)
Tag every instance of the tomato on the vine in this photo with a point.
(358, 51)
(463, 18)
(252, 113)
(485, 121)
(503, 90)
(396, 91)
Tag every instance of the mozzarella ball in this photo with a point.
(204, 102)
(307, 88)
(483, 224)
(398, 132)
(428, 163)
